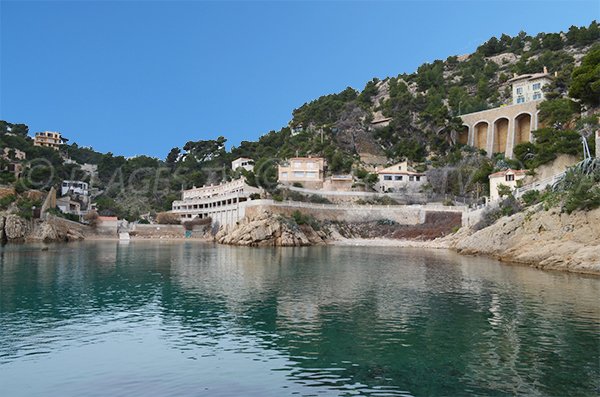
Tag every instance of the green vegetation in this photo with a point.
(6, 201)
(586, 78)
(305, 219)
(549, 143)
(531, 197)
(507, 207)
(579, 189)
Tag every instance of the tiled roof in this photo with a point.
(530, 76)
(503, 173)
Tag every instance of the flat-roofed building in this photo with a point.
(220, 202)
(242, 162)
(49, 139)
(308, 171)
(74, 187)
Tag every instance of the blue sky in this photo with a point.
(140, 77)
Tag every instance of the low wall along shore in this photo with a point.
(402, 214)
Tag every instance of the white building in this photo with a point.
(242, 162)
(74, 187)
(508, 178)
(529, 87)
(222, 202)
(399, 177)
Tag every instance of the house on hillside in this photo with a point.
(529, 87)
(308, 171)
(399, 177)
(74, 188)
(508, 178)
(49, 139)
(242, 162)
(500, 129)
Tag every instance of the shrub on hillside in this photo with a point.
(189, 225)
(167, 218)
(6, 201)
(507, 207)
(305, 219)
(531, 197)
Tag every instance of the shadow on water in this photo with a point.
(281, 321)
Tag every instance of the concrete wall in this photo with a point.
(157, 231)
(66, 224)
(107, 228)
(403, 214)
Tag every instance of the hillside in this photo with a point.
(409, 116)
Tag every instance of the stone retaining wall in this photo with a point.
(157, 231)
(402, 214)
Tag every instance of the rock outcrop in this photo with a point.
(543, 239)
(52, 231)
(270, 230)
(15, 228)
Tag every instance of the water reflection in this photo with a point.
(163, 318)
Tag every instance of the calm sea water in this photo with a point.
(191, 319)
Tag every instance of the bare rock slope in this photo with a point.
(543, 239)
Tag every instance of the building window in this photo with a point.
(509, 178)
(411, 178)
(398, 177)
(536, 86)
(310, 165)
(520, 91)
(387, 177)
(284, 174)
(297, 164)
(520, 99)
(417, 178)
(312, 175)
(537, 95)
(299, 174)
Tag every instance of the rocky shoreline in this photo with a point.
(544, 239)
(15, 229)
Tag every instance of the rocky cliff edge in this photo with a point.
(545, 239)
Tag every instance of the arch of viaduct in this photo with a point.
(499, 130)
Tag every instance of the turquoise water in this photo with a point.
(191, 319)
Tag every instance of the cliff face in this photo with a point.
(543, 239)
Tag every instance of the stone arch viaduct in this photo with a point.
(499, 130)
